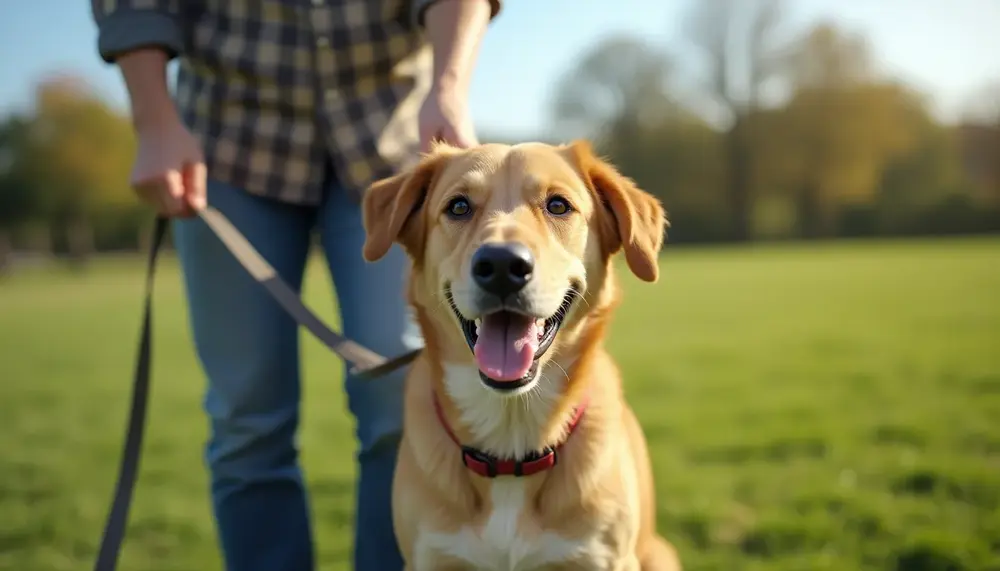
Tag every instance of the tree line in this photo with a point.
(777, 134)
(64, 175)
(784, 134)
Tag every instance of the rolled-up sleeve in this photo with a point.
(127, 25)
(419, 7)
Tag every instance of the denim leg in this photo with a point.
(374, 313)
(248, 348)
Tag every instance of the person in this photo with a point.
(285, 111)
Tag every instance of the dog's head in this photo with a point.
(511, 249)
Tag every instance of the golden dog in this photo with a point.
(519, 450)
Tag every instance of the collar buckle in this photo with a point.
(480, 462)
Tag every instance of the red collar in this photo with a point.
(489, 466)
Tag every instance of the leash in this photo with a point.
(366, 364)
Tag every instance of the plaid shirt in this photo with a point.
(276, 88)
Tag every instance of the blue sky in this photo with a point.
(947, 48)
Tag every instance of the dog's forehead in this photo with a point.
(523, 166)
(540, 165)
(474, 166)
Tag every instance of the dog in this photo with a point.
(519, 451)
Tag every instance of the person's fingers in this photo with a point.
(459, 137)
(172, 193)
(464, 138)
(152, 190)
(449, 136)
(195, 175)
(427, 138)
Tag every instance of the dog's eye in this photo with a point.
(459, 207)
(557, 206)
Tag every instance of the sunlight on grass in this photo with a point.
(808, 408)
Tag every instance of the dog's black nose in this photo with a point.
(502, 269)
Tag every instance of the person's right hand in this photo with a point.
(169, 169)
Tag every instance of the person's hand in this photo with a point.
(169, 169)
(445, 116)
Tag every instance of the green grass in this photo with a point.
(809, 408)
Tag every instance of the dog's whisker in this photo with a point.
(443, 302)
(565, 373)
(525, 399)
(579, 295)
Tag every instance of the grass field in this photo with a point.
(828, 407)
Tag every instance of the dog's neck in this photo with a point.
(507, 426)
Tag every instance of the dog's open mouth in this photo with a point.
(507, 344)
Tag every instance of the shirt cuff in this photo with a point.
(128, 30)
(419, 7)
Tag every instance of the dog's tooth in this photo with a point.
(479, 323)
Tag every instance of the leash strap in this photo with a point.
(365, 364)
(114, 529)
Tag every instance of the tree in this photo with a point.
(918, 181)
(617, 88)
(78, 153)
(738, 39)
(980, 141)
(18, 199)
(828, 57)
(840, 129)
(619, 95)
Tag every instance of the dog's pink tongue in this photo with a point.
(506, 345)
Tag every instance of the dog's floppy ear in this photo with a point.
(390, 209)
(633, 219)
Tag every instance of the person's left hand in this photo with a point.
(445, 116)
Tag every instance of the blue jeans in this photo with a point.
(248, 347)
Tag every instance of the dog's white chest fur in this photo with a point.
(511, 427)
(500, 545)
